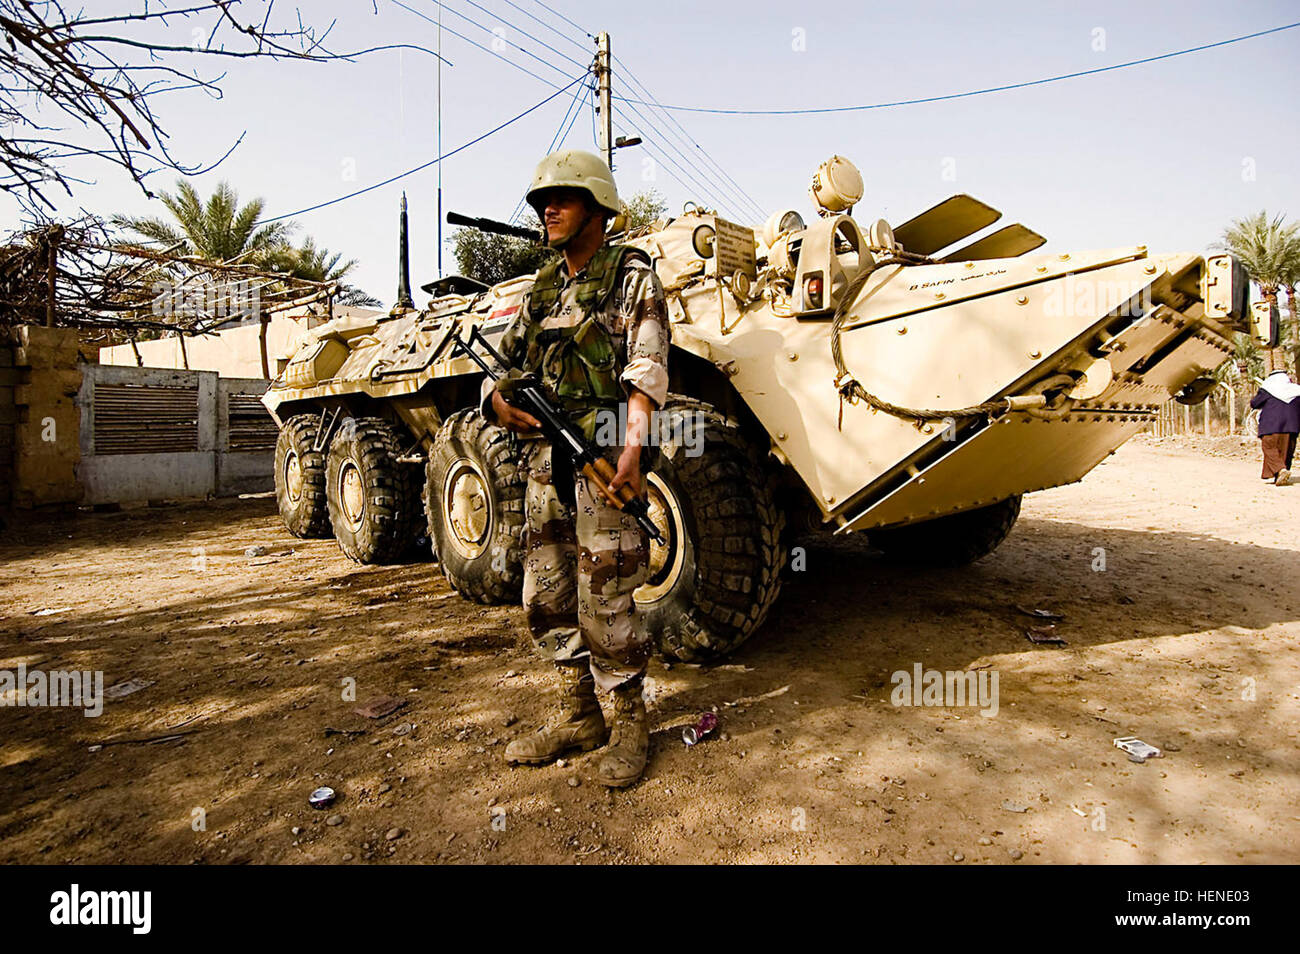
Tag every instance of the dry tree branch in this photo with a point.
(102, 75)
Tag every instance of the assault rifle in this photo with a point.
(586, 457)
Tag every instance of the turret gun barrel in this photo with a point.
(493, 226)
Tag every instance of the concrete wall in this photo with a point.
(234, 352)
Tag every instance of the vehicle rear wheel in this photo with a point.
(954, 540)
(712, 583)
(474, 498)
(300, 479)
(374, 500)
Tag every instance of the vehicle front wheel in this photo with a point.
(474, 497)
(713, 581)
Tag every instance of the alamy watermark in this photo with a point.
(934, 687)
(56, 689)
(129, 908)
(1086, 297)
(228, 300)
(677, 428)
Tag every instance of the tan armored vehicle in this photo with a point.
(827, 372)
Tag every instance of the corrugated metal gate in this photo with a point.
(159, 434)
(249, 425)
(145, 419)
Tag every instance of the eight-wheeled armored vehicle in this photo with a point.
(829, 372)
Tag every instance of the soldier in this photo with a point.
(594, 329)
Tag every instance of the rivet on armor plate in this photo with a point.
(1065, 256)
(793, 356)
(1150, 269)
(1035, 355)
(903, 330)
(938, 296)
(970, 264)
(830, 498)
(928, 429)
(780, 435)
(1042, 268)
(1022, 299)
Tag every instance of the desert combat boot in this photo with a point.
(629, 740)
(579, 725)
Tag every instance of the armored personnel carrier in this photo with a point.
(830, 372)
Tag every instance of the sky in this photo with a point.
(1163, 154)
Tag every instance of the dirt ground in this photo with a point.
(1187, 638)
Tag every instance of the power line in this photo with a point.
(705, 181)
(704, 178)
(975, 92)
(579, 97)
(480, 46)
(561, 34)
(572, 121)
(707, 190)
(565, 19)
(736, 190)
(525, 33)
(425, 165)
(668, 165)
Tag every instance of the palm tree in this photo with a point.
(218, 230)
(1267, 249)
(1289, 277)
(320, 265)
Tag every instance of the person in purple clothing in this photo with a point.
(1278, 402)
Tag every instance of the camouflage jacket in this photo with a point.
(635, 317)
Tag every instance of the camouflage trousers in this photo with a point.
(581, 565)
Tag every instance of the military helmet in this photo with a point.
(575, 169)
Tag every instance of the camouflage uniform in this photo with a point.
(584, 557)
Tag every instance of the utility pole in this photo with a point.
(605, 127)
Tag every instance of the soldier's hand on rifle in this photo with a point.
(639, 410)
(512, 418)
(629, 470)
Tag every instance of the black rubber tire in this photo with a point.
(954, 540)
(307, 516)
(730, 572)
(489, 569)
(390, 517)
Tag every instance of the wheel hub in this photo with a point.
(293, 476)
(352, 495)
(467, 509)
